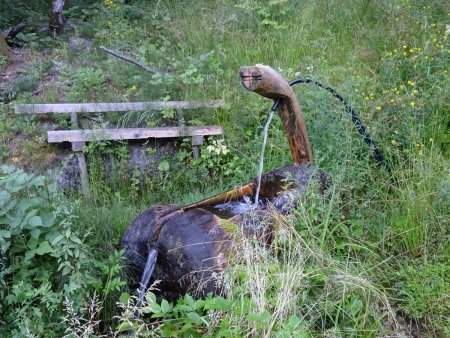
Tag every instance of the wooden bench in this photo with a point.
(78, 137)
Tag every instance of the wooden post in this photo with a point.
(77, 147)
(197, 140)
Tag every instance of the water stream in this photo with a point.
(261, 158)
(146, 275)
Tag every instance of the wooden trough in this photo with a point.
(193, 242)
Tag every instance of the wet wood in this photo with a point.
(113, 106)
(231, 195)
(195, 242)
(266, 82)
(193, 248)
(58, 136)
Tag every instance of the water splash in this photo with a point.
(146, 275)
(261, 158)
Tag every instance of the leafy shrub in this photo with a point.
(24, 84)
(423, 294)
(44, 260)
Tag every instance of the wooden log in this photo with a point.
(11, 32)
(113, 107)
(266, 82)
(58, 136)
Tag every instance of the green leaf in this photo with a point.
(48, 219)
(54, 238)
(44, 248)
(356, 305)
(194, 317)
(165, 306)
(29, 254)
(150, 297)
(75, 239)
(5, 234)
(124, 297)
(35, 221)
(153, 307)
(124, 326)
(35, 233)
(164, 166)
(258, 317)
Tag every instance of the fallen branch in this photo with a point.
(126, 58)
(11, 33)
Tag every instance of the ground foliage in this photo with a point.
(370, 258)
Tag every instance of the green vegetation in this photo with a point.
(368, 258)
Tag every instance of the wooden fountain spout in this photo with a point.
(266, 82)
(194, 242)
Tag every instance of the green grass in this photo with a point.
(368, 255)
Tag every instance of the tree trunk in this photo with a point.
(56, 22)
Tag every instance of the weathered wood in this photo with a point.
(114, 107)
(266, 82)
(77, 148)
(58, 136)
(128, 59)
(189, 256)
(197, 140)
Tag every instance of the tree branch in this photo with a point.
(11, 33)
(126, 58)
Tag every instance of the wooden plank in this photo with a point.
(57, 136)
(113, 107)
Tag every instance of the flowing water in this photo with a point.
(261, 158)
(146, 275)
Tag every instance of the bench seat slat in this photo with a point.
(58, 136)
(113, 107)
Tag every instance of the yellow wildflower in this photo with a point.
(14, 159)
(394, 142)
(378, 108)
(395, 51)
(396, 132)
(392, 101)
(404, 53)
(415, 91)
(412, 104)
(133, 88)
(405, 46)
